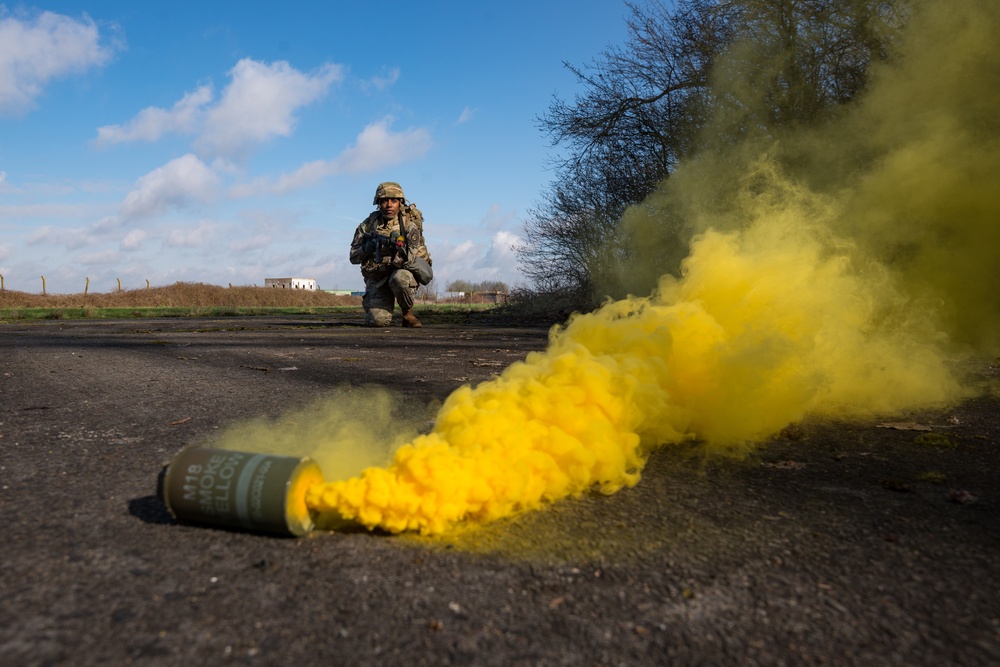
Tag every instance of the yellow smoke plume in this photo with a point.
(908, 173)
(767, 325)
(832, 274)
(344, 433)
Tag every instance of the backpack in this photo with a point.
(415, 216)
(418, 266)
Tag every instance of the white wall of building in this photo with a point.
(291, 283)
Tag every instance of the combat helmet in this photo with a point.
(389, 190)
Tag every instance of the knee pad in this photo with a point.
(376, 317)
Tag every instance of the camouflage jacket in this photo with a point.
(381, 264)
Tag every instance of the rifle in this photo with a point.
(394, 242)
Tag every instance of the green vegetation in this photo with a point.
(470, 287)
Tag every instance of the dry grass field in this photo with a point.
(181, 295)
(203, 300)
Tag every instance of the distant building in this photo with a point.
(291, 283)
(494, 297)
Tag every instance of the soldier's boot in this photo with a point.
(410, 320)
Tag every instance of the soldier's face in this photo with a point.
(389, 206)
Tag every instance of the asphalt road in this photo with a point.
(844, 544)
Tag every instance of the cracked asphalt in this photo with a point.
(837, 543)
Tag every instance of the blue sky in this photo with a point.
(228, 142)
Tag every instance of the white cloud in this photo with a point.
(308, 174)
(68, 237)
(48, 190)
(47, 210)
(460, 253)
(496, 218)
(99, 258)
(107, 223)
(255, 242)
(192, 237)
(152, 122)
(475, 262)
(383, 82)
(375, 148)
(378, 147)
(133, 240)
(259, 103)
(500, 256)
(465, 116)
(179, 183)
(35, 51)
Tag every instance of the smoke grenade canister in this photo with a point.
(258, 492)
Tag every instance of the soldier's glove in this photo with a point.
(369, 246)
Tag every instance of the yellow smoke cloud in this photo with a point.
(908, 174)
(344, 433)
(928, 202)
(767, 325)
(832, 274)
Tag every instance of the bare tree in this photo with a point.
(690, 78)
(793, 62)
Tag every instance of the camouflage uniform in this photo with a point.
(386, 281)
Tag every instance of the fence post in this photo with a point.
(86, 286)
(43, 285)
(119, 284)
